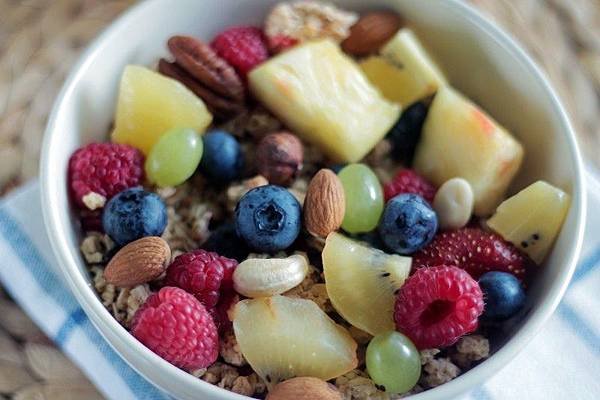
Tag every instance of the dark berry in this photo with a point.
(408, 224)
(406, 133)
(268, 218)
(222, 159)
(503, 295)
(225, 241)
(134, 214)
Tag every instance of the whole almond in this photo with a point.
(138, 262)
(304, 388)
(371, 32)
(325, 204)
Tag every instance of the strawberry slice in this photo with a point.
(475, 251)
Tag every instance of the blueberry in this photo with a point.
(268, 218)
(133, 214)
(222, 160)
(225, 241)
(408, 224)
(503, 295)
(337, 168)
(406, 133)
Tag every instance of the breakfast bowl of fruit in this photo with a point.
(310, 200)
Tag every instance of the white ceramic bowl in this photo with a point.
(480, 60)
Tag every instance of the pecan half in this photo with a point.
(220, 106)
(201, 62)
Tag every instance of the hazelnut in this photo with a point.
(279, 158)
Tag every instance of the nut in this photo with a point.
(453, 203)
(325, 204)
(279, 158)
(371, 32)
(304, 388)
(259, 277)
(138, 262)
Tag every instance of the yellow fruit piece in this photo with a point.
(532, 218)
(324, 97)
(404, 72)
(151, 104)
(461, 140)
(362, 282)
(284, 337)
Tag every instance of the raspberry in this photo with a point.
(243, 47)
(220, 312)
(177, 327)
(408, 181)
(203, 274)
(473, 250)
(102, 170)
(436, 306)
(279, 43)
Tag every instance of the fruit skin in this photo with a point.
(268, 218)
(225, 241)
(438, 305)
(105, 169)
(404, 72)
(174, 157)
(223, 159)
(324, 98)
(279, 158)
(408, 224)
(283, 337)
(133, 214)
(475, 251)
(408, 181)
(503, 295)
(532, 218)
(460, 140)
(177, 327)
(405, 134)
(325, 204)
(202, 274)
(243, 47)
(150, 104)
(364, 198)
(354, 272)
(138, 262)
(393, 362)
(304, 388)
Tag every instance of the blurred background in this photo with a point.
(41, 39)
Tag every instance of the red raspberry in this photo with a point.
(243, 47)
(408, 181)
(222, 310)
(105, 169)
(436, 306)
(201, 273)
(279, 43)
(177, 327)
(473, 250)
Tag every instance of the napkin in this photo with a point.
(561, 362)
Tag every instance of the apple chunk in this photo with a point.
(325, 98)
(461, 140)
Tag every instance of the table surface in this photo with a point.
(40, 40)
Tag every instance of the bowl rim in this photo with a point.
(107, 325)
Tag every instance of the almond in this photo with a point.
(325, 204)
(371, 32)
(138, 262)
(305, 388)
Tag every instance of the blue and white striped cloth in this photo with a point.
(562, 362)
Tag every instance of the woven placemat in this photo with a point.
(40, 40)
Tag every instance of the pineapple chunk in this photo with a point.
(324, 97)
(460, 140)
(404, 72)
(151, 104)
(532, 218)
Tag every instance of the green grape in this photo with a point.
(364, 198)
(174, 158)
(394, 362)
